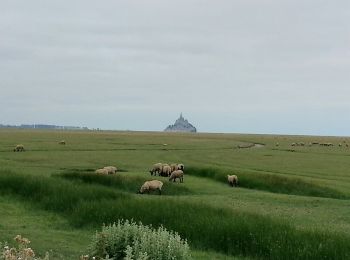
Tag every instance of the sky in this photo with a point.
(240, 66)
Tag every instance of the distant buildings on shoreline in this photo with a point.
(43, 126)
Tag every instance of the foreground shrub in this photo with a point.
(128, 240)
(20, 252)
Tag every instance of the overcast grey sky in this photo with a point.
(249, 66)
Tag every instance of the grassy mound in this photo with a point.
(206, 227)
(127, 183)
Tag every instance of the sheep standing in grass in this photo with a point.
(63, 142)
(157, 168)
(166, 171)
(177, 175)
(19, 148)
(102, 171)
(232, 180)
(151, 186)
(111, 169)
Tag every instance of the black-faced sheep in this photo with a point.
(232, 180)
(151, 186)
(181, 167)
(177, 175)
(19, 148)
(102, 171)
(111, 169)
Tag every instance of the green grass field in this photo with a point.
(291, 203)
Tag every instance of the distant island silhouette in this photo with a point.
(181, 125)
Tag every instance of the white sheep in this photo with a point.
(63, 142)
(111, 169)
(151, 186)
(166, 170)
(19, 148)
(232, 180)
(178, 174)
(102, 171)
(157, 168)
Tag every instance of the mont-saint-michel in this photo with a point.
(181, 125)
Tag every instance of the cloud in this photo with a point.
(114, 63)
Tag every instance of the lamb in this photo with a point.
(111, 169)
(232, 180)
(166, 170)
(151, 186)
(19, 148)
(102, 171)
(63, 142)
(157, 168)
(177, 175)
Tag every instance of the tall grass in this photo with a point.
(50, 194)
(127, 183)
(270, 182)
(206, 227)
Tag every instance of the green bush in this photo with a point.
(129, 240)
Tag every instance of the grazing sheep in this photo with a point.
(157, 168)
(293, 144)
(166, 171)
(181, 167)
(277, 144)
(178, 174)
(63, 142)
(232, 180)
(302, 144)
(151, 186)
(111, 169)
(102, 171)
(19, 148)
(340, 145)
